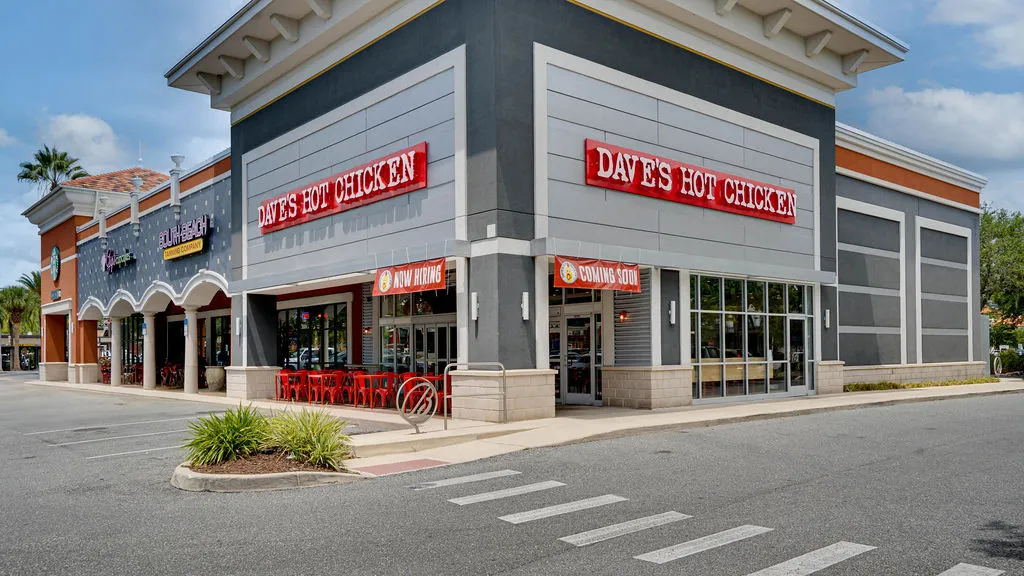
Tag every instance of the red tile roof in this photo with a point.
(120, 181)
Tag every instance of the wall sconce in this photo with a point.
(672, 312)
(102, 215)
(474, 306)
(623, 316)
(828, 318)
(525, 306)
(367, 331)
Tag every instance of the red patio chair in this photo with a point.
(333, 386)
(315, 386)
(298, 385)
(348, 386)
(388, 386)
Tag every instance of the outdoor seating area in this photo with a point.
(358, 387)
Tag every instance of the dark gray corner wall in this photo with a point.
(432, 34)
(150, 265)
(569, 28)
(500, 334)
(670, 355)
(943, 283)
(261, 331)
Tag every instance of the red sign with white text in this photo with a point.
(393, 175)
(625, 170)
(409, 278)
(596, 274)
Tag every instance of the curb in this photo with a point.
(775, 415)
(407, 446)
(189, 480)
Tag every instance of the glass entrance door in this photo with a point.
(578, 359)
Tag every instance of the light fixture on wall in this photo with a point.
(623, 316)
(525, 306)
(367, 331)
(474, 306)
(672, 312)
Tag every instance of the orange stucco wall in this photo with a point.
(891, 173)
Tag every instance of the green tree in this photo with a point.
(16, 302)
(1002, 261)
(33, 281)
(50, 168)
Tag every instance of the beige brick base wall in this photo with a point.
(250, 383)
(84, 373)
(476, 395)
(830, 377)
(53, 371)
(647, 387)
(904, 373)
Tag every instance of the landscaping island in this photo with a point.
(244, 450)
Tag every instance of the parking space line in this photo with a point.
(701, 544)
(559, 509)
(817, 560)
(464, 479)
(623, 528)
(135, 452)
(118, 438)
(971, 570)
(498, 494)
(90, 427)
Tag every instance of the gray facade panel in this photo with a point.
(422, 112)
(580, 107)
(869, 349)
(944, 348)
(261, 330)
(943, 246)
(149, 265)
(943, 280)
(829, 336)
(868, 270)
(915, 207)
(869, 231)
(869, 310)
(500, 333)
(944, 315)
(670, 352)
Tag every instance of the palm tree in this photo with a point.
(50, 169)
(16, 302)
(33, 282)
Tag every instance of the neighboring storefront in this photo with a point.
(151, 254)
(623, 205)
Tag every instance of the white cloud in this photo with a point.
(199, 149)
(978, 128)
(983, 132)
(88, 138)
(6, 139)
(999, 27)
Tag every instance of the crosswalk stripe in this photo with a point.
(971, 570)
(498, 494)
(464, 479)
(623, 528)
(559, 509)
(817, 560)
(701, 544)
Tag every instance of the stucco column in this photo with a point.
(191, 351)
(149, 351)
(115, 352)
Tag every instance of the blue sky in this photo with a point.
(91, 82)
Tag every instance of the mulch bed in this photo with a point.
(260, 464)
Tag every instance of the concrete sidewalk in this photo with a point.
(467, 440)
(589, 424)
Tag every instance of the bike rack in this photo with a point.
(470, 365)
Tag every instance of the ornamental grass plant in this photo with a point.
(216, 438)
(311, 436)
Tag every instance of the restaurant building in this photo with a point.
(642, 204)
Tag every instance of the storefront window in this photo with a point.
(313, 337)
(131, 349)
(760, 344)
(221, 340)
(421, 335)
